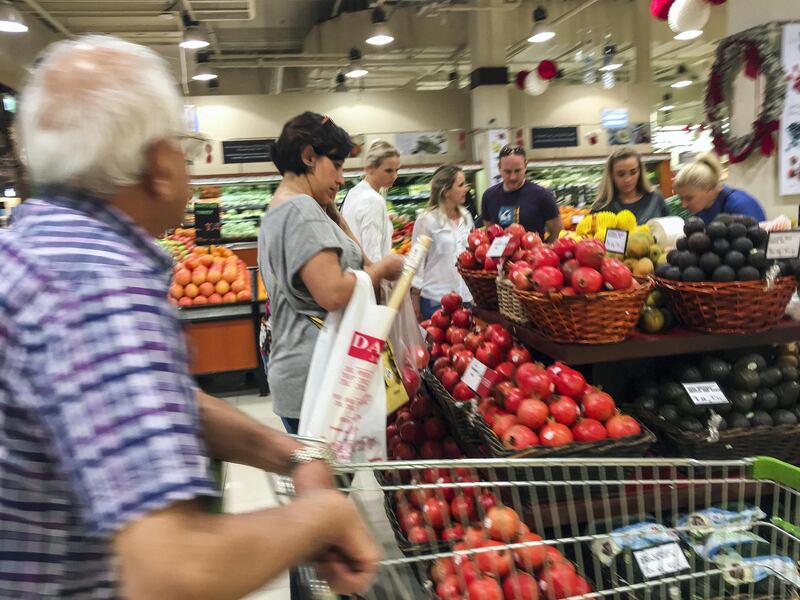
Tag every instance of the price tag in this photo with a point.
(783, 244)
(498, 246)
(616, 240)
(423, 332)
(707, 393)
(577, 219)
(206, 222)
(661, 560)
(479, 378)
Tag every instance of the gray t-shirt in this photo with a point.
(290, 235)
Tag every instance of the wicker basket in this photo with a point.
(482, 286)
(735, 307)
(510, 306)
(602, 318)
(460, 416)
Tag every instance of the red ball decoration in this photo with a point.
(520, 79)
(547, 69)
(660, 8)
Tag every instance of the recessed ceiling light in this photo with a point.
(542, 32)
(380, 35)
(11, 20)
(194, 38)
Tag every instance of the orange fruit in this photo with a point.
(191, 290)
(176, 290)
(238, 285)
(183, 276)
(199, 275)
(206, 289)
(185, 301)
(229, 297)
(200, 250)
(244, 296)
(215, 299)
(214, 275)
(200, 300)
(191, 263)
(223, 287)
(229, 274)
(206, 260)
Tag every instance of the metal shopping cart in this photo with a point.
(590, 512)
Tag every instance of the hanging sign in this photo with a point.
(554, 137)
(247, 151)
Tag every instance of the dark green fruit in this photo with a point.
(691, 424)
(788, 393)
(724, 218)
(714, 369)
(794, 266)
(709, 262)
(646, 404)
(717, 230)
(669, 392)
(661, 271)
(796, 411)
(669, 318)
(687, 259)
(736, 230)
(646, 387)
(766, 399)
(673, 273)
(723, 274)
(758, 259)
(723, 425)
(758, 236)
(734, 259)
(699, 243)
(771, 377)
(694, 274)
(737, 420)
(742, 402)
(693, 225)
(682, 244)
(789, 373)
(745, 220)
(723, 409)
(672, 257)
(669, 413)
(784, 417)
(721, 246)
(748, 273)
(686, 407)
(742, 244)
(687, 374)
(752, 361)
(784, 267)
(761, 418)
(745, 380)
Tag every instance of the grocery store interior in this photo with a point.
(653, 358)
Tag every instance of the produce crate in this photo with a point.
(482, 286)
(779, 441)
(510, 305)
(733, 307)
(460, 416)
(601, 318)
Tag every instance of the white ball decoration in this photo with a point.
(535, 85)
(688, 15)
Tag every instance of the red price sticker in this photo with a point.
(480, 378)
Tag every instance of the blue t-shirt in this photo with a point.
(733, 202)
(531, 206)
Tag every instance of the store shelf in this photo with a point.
(642, 345)
(216, 312)
(588, 162)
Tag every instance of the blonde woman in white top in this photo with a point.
(448, 224)
(364, 208)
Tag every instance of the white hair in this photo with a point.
(91, 109)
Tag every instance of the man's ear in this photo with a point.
(158, 175)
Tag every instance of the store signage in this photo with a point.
(206, 222)
(480, 378)
(616, 240)
(247, 151)
(789, 145)
(707, 393)
(498, 247)
(783, 244)
(554, 137)
(614, 118)
(661, 560)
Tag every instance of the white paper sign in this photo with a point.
(661, 560)
(789, 175)
(473, 376)
(706, 393)
(616, 240)
(498, 246)
(783, 244)
(577, 219)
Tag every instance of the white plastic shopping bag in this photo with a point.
(345, 400)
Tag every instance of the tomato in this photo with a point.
(564, 410)
(462, 508)
(518, 355)
(530, 558)
(533, 380)
(533, 413)
(555, 434)
(547, 279)
(513, 400)
(501, 523)
(502, 423)
(520, 586)
(590, 253)
(489, 354)
(589, 430)
(564, 247)
(567, 380)
(436, 512)
(620, 426)
(497, 563)
(462, 393)
(599, 406)
(586, 280)
(485, 588)
(440, 319)
(519, 437)
(616, 275)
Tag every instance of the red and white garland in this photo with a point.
(536, 82)
(683, 15)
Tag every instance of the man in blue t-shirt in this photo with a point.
(517, 200)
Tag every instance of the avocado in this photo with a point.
(745, 220)
(700, 242)
(745, 380)
(661, 271)
(723, 274)
(752, 361)
(723, 409)
(784, 268)
(761, 418)
(742, 244)
(796, 412)
(690, 424)
(686, 407)
(687, 374)
(758, 259)
(669, 392)
(672, 257)
(714, 369)
(794, 266)
(717, 230)
(687, 259)
(734, 259)
(766, 399)
(748, 273)
(669, 413)
(682, 244)
(693, 225)
(737, 420)
(784, 417)
(741, 401)
(694, 274)
(736, 230)
(646, 404)
(645, 387)
(669, 318)
(673, 273)
(771, 376)
(723, 425)
(789, 373)
(788, 393)
(721, 246)
(724, 218)
(758, 236)
(709, 262)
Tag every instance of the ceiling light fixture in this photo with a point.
(691, 34)
(11, 20)
(203, 71)
(666, 104)
(542, 32)
(684, 78)
(194, 38)
(380, 35)
(341, 85)
(610, 62)
(356, 68)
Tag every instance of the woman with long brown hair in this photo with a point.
(625, 187)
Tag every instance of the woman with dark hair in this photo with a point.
(305, 251)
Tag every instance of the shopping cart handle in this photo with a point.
(772, 469)
(786, 526)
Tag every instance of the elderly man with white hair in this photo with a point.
(104, 476)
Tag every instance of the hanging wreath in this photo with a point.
(758, 50)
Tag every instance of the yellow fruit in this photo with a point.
(626, 220)
(600, 234)
(652, 320)
(643, 268)
(655, 253)
(631, 263)
(637, 246)
(662, 260)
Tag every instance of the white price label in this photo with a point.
(498, 246)
(616, 240)
(423, 332)
(473, 376)
(661, 560)
(783, 244)
(705, 394)
(577, 219)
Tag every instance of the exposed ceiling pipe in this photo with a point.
(336, 7)
(250, 11)
(508, 5)
(48, 17)
(277, 80)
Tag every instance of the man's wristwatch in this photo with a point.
(307, 454)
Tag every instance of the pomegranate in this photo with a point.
(501, 523)
(435, 428)
(598, 405)
(462, 393)
(530, 240)
(568, 269)
(620, 426)
(564, 247)
(589, 430)
(466, 260)
(497, 563)
(515, 230)
(564, 410)
(567, 380)
(558, 581)
(456, 335)
(499, 335)
(555, 434)
(436, 334)
(494, 231)
(522, 278)
(489, 354)
(518, 355)
(421, 535)
(475, 238)
(519, 437)
(442, 568)
(421, 356)
(543, 256)
(420, 406)
(462, 318)
(472, 341)
(461, 360)
(586, 280)
(451, 449)
(530, 557)
(533, 413)
(480, 253)
(590, 253)
(410, 379)
(521, 586)
(502, 424)
(440, 319)
(616, 275)
(462, 508)
(485, 588)
(451, 302)
(513, 400)
(546, 279)
(506, 369)
(533, 380)
(449, 379)
(436, 512)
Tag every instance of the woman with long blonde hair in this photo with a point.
(447, 223)
(625, 187)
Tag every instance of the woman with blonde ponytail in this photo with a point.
(704, 194)
(364, 208)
